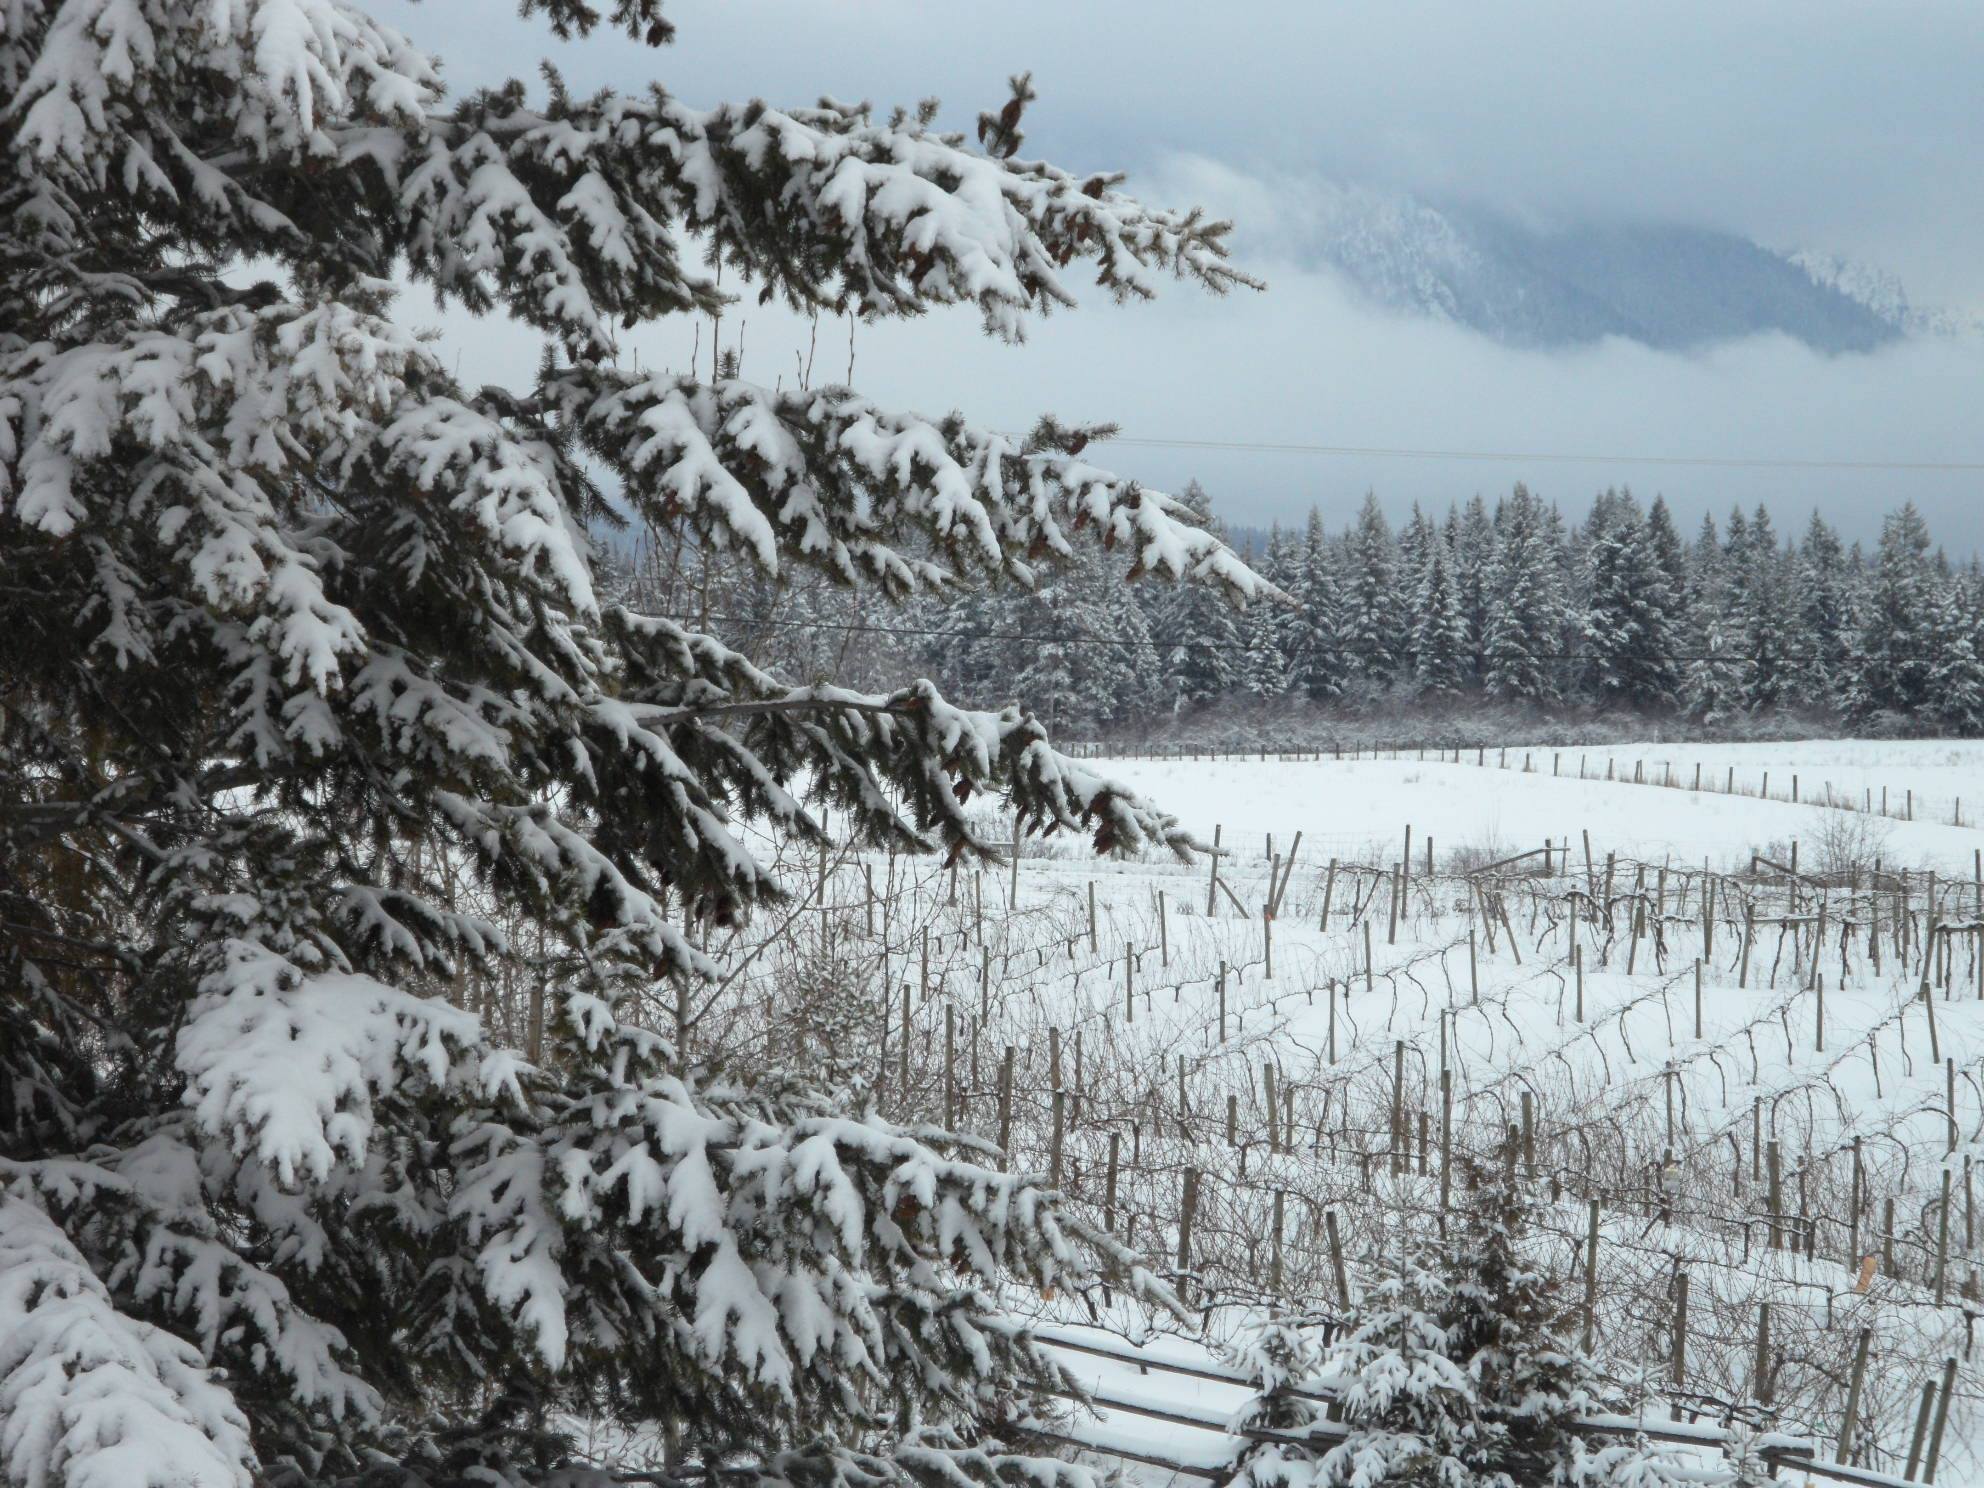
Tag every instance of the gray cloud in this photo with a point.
(1842, 127)
(1830, 123)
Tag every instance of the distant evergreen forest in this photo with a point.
(1504, 614)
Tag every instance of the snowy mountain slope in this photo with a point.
(1665, 285)
(1883, 293)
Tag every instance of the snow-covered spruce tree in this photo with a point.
(1455, 1369)
(1523, 643)
(1768, 613)
(1409, 1403)
(1671, 555)
(1712, 685)
(296, 627)
(1093, 663)
(1316, 665)
(1897, 640)
(1265, 676)
(1956, 677)
(1629, 648)
(1823, 626)
(1472, 543)
(1507, 1321)
(1196, 634)
(1373, 610)
(1439, 632)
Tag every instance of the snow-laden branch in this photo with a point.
(827, 478)
(92, 1398)
(571, 214)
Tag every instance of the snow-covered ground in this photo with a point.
(1170, 1032)
(1175, 1040)
(1941, 772)
(1349, 808)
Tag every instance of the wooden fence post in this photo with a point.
(1188, 1207)
(1446, 1142)
(1399, 1137)
(1273, 1105)
(1680, 1351)
(1853, 1396)
(1591, 1279)
(1336, 1259)
(1054, 1150)
(1943, 1238)
(1760, 1385)
(1006, 1109)
(950, 1064)
(1921, 1435)
(1274, 1264)
(1109, 1183)
(1942, 1420)
(1776, 1194)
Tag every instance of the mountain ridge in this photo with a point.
(1669, 286)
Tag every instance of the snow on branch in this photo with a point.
(571, 214)
(289, 71)
(147, 1207)
(903, 764)
(288, 1067)
(91, 1398)
(836, 210)
(827, 478)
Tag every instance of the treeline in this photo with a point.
(1510, 603)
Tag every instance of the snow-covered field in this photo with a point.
(1807, 1052)
(1349, 808)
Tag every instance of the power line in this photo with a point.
(1389, 452)
(1239, 646)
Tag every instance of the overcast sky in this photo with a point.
(1848, 128)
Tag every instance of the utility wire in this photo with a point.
(1718, 462)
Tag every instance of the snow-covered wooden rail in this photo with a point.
(1170, 1407)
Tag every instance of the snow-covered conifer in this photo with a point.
(1317, 664)
(1374, 610)
(1507, 1321)
(1897, 635)
(1410, 1405)
(1525, 604)
(301, 630)
(1767, 615)
(1266, 674)
(1668, 552)
(1439, 632)
(1712, 686)
(1822, 611)
(1473, 549)
(1629, 647)
(1956, 677)
(1196, 635)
